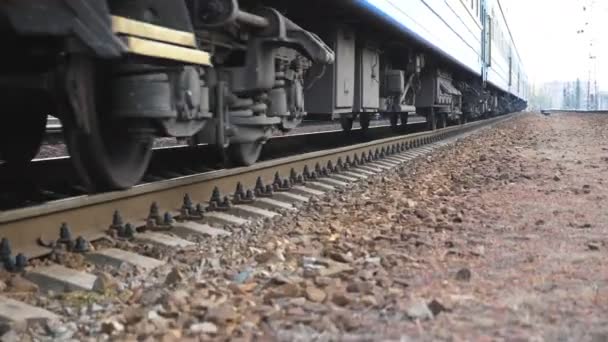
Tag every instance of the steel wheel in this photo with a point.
(346, 123)
(404, 117)
(394, 120)
(245, 154)
(364, 120)
(22, 129)
(464, 118)
(442, 121)
(112, 154)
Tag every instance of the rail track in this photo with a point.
(575, 111)
(54, 178)
(172, 211)
(54, 133)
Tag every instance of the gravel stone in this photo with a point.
(315, 294)
(419, 310)
(204, 328)
(351, 264)
(463, 274)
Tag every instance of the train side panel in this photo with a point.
(506, 70)
(444, 25)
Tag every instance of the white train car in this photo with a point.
(118, 73)
(451, 28)
(505, 70)
(471, 35)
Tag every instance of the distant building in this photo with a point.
(566, 95)
(603, 100)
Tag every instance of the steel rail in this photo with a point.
(91, 215)
(577, 111)
(54, 178)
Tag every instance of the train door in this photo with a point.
(345, 67)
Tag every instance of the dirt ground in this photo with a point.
(500, 236)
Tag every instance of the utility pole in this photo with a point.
(591, 97)
(589, 31)
(589, 91)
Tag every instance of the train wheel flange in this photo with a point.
(107, 153)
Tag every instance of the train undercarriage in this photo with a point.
(120, 73)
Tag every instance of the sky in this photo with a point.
(545, 33)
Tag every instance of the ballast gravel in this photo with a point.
(499, 236)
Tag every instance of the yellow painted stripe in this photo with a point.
(145, 30)
(167, 51)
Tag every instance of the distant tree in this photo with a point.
(539, 98)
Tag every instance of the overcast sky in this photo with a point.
(545, 32)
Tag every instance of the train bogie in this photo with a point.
(125, 72)
(438, 98)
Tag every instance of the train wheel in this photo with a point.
(346, 123)
(464, 118)
(394, 119)
(404, 117)
(111, 153)
(22, 130)
(364, 120)
(245, 154)
(431, 120)
(442, 121)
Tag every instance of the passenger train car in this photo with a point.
(119, 73)
(445, 59)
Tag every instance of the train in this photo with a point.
(120, 73)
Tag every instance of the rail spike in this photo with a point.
(280, 184)
(126, 232)
(240, 195)
(65, 234)
(187, 205)
(168, 219)
(116, 220)
(339, 164)
(330, 166)
(20, 262)
(261, 190)
(306, 173)
(81, 245)
(216, 202)
(5, 249)
(154, 212)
